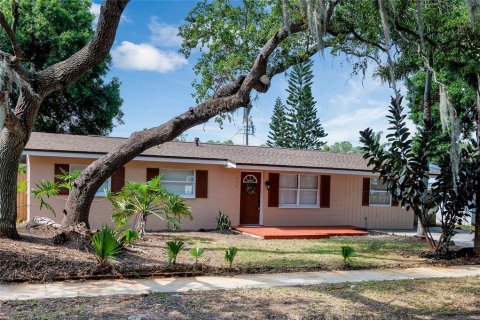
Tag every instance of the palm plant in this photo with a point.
(230, 254)
(106, 245)
(140, 200)
(129, 236)
(197, 253)
(223, 222)
(173, 249)
(347, 254)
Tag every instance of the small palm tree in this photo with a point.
(347, 254)
(106, 245)
(230, 254)
(173, 249)
(197, 253)
(140, 200)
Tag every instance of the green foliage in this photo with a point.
(342, 146)
(230, 254)
(347, 254)
(22, 168)
(404, 169)
(46, 189)
(278, 135)
(50, 31)
(106, 245)
(223, 222)
(173, 249)
(228, 142)
(197, 253)
(129, 236)
(140, 200)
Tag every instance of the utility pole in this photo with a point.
(247, 123)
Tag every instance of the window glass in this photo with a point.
(378, 193)
(288, 181)
(308, 182)
(298, 190)
(181, 182)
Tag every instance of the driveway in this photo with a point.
(462, 239)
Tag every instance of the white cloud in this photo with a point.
(163, 35)
(95, 9)
(145, 57)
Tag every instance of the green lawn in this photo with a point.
(254, 253)
(392, 300)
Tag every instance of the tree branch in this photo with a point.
(11, 33)
(10, 120)
(65, 72)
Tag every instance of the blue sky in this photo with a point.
(156, 82)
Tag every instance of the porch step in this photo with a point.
(320, 232)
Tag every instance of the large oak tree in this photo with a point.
(33, 86)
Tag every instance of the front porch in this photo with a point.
(322, 232)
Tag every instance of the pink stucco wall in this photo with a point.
(224, 194)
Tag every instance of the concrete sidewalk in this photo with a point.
(144, 286)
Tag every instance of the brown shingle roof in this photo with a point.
(240, 155)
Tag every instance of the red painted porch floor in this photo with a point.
(301, 232)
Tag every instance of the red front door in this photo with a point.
(250, 197)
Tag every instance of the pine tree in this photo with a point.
(279, 127)
(302, 115)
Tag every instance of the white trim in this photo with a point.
(29, 193)
(140, 158)
(301, 206)
(306, 170)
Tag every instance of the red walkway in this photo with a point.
(301, 232)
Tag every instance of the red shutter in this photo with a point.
(366, 192)
(59, 169)
(325, 191)
(118, 180)
(201, 184)
(273, 191)
(394, 202)
(152, 173)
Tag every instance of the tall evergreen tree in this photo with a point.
(279, 127)
(307, 130)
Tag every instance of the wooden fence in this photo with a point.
(22, 197)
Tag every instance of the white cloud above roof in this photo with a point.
(146, 57)
(163, 34)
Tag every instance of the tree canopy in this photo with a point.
(49, 31)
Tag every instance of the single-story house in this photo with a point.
(252, 185)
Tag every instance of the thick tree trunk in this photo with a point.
(16, 126)
(11, 147)
(428, 123)
(476, 239)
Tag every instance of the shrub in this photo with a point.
(347, 254)
(106, 245)
(230, 254)
(197, 253)
(173, 249)
(223, 222)
(129, 236)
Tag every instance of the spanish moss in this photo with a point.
(388, 43)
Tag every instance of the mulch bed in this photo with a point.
(36, 259)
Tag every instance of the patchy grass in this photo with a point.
(37, 259)
(393, 300)
(466, 227)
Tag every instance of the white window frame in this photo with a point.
(378, 191)
(298, 189)
(184, 196)
(100, 192)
